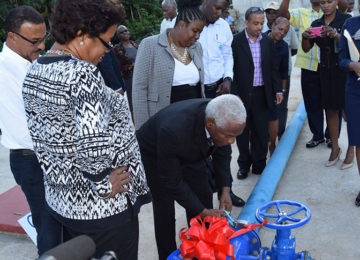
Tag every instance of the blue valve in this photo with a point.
(284, 220)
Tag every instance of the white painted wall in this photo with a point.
(243, 5)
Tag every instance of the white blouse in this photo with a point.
(185, 74)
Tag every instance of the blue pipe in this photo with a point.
(266, 186)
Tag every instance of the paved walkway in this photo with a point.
(329, 192)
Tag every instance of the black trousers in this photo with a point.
(123, 240)
(311, 90)
(253, 142)
(29, 175)
(197, 177)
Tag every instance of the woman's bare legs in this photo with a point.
(273, 132)
(332, 116)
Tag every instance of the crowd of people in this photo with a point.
(95, 131)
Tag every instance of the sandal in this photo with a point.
(357, 200)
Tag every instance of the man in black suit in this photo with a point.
(174, 145)
(257, 82)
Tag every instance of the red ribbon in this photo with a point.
(210, 243)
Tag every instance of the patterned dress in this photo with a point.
(81, 129)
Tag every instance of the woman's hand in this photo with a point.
(118, 178)
(307, 34)
(328, 31)
(355, 67)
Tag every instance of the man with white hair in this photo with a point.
(175, 144)
(169, 9)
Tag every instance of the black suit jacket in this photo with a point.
(176, 137)
(244, 68)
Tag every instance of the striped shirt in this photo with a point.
(256, 55)
(301, 18)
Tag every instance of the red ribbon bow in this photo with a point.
(210, 243)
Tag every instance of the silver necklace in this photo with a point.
(59, 52)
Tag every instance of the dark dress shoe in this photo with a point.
(236, 201)
(242, 174)
(313, 143)
(257, 172)
(357, 200)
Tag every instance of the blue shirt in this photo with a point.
(282, 58)
(352, 25)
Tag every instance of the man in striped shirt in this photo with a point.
(256, 81)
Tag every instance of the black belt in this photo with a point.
(214, 84)
(22, 152)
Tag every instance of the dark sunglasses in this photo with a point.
(34, 43)
(108, 45)
(256, 9)
(123, 31)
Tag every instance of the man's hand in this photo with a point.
(211, 213)
(279, 98)
(225, 199)
(118, 178)
(224, 87)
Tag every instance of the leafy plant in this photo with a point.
(143, 16)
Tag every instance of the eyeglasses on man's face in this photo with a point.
(124, 31)
(35, 42)
(108, 45)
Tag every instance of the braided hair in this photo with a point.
(189, 11)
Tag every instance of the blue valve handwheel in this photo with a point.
(282, 216)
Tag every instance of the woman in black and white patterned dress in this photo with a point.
(82, 131)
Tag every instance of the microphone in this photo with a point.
(79, 248)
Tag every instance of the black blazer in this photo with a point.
(244, 68)
(175, 137)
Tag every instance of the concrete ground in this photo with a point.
(329, 192)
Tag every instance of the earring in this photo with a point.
(81, 43)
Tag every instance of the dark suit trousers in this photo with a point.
(310, 86)
(256, 131)
(197, 177)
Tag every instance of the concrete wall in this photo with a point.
(243, 5)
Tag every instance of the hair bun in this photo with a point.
(182, 4)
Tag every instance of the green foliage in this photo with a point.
(43, 6)
(143, 16)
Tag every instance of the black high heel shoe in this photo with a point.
(357, 200)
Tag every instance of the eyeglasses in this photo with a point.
(34, 43)
(256, 9)
(108, 45)
(123, 31)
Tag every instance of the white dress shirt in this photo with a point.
(13, 124)
(218, 59)
(165, 24)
